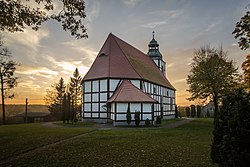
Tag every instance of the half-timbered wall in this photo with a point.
(119, 110)
(97, 92)
(161, 65)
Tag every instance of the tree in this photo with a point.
(192, 110)
(246, 71)
(54, 99)
(15, 16)
(211, 75)
(75, 90)
(188, 111)
(198, 107)
(128, 115)
(231, 144)
(242, 31)
(7, 75)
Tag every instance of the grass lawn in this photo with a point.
(19, 138)
(188, 145)
(78, 124)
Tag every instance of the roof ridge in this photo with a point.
(126, 54)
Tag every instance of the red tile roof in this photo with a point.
(127, 92)
(118, 59)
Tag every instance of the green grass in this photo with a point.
(169, 121)
(15, 139)
(78, 124)
(187, 145)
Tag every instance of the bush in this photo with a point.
(231, 144)
(158, 120)
(147, 122)
(137, 119)
(187, 111)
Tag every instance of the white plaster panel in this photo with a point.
(136, 83)
(95, 106)
(147, 107)
(113, 84)
(87, 86)
(87, 106)
(87, 97)
(103, 115)
(95, 86)
(135, 106)
(87, 114)
(122, 107)
(121, 117)
(95, 97)
(103, 96)
(145, 116)
(103, 85)
(94, 115)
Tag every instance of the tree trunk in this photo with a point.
(2, 92)
(216, 108)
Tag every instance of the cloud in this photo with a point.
(153, 24)
(27, 42)
(180, 80)
(92, 9)
(36, 71)
(171, 14)
(68, 67)
(130, 2)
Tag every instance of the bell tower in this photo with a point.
(156, 56)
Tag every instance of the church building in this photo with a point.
(123, 79)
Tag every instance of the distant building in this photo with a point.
(123, 78)
(33, 116)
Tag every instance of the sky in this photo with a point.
(180, 27)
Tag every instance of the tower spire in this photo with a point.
(153, 35)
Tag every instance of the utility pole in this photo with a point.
(26, 111)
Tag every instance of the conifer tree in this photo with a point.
(75, 91)
(54, 99)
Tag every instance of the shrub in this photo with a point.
(147, 122)
(137, 119)
(158, 120)
(128, 116)
(231, 144)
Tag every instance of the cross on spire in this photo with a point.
(153, 35)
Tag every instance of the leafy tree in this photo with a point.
(246, 71)
(198, 107)
(7, 75)
(128, 115)
(75, 90)
(231, 144)
(54, 99)
(17, 15)
(242, 31)
(188, 111)
(192, 110)
(211, 75)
